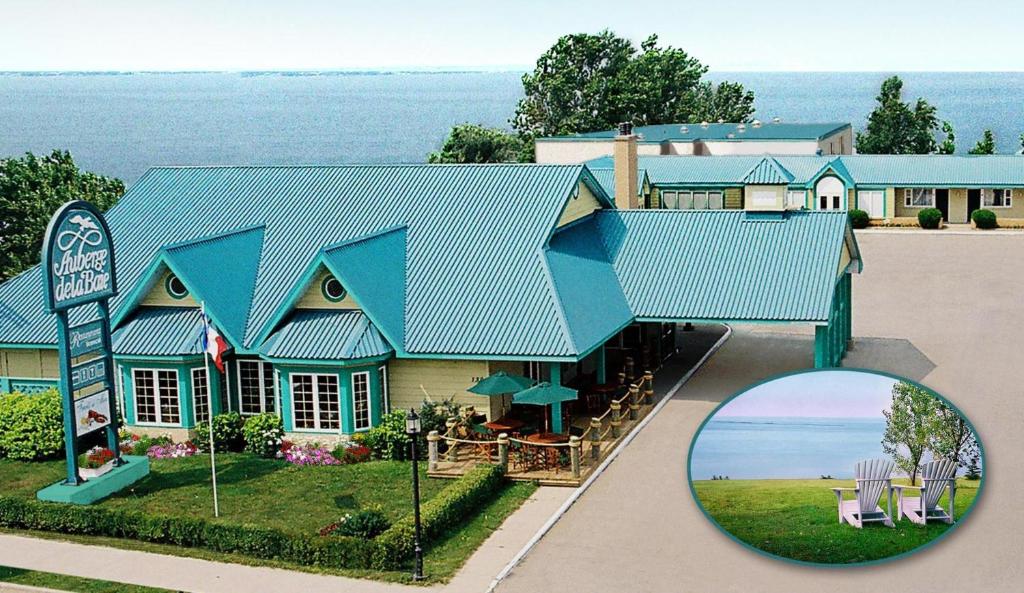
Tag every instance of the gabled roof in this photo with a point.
(606, 177)
(768, 171)
(160, 331)
(327, 334)
(473, 232)
(871, 170)
(724, 265)
(719, 132)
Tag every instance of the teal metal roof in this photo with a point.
(473, 283)
(606, 177)
(160, 331)
(722, 265)
(720, 132)
(768, 171)
(868, 170)
(326, 334)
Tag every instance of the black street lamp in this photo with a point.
(412, 428)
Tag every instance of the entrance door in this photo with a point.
(942, 202)
(973, 201)
(872, 202)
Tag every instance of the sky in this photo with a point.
(870, 35)
(831, 394)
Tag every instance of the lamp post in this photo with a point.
(412, 428)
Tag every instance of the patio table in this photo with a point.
(504, 425)
(550, 453)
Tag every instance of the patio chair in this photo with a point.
(936, 477)
(872, 476)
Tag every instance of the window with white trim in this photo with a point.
(315, 403)
(795, 198)
(201, 395)
(361, 400)
(919, 197)
(670, 200)
(385, 396)
(156, 396)
(997, 198)
(256, 388)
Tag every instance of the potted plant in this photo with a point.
(96, 462)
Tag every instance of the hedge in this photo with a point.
(31, 426)
(439, 515)
(388, 551)
(249, 540)
(859, 219)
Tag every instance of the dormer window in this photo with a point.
(333, 290)
(176, 288)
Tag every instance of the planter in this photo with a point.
(90, 473)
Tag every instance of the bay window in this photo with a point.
(315, 402)
(156, 396)
(201, 395)
(256, 388)
(361, 400)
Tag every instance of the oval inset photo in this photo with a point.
(836, 467)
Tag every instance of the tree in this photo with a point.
(952, 438)
(588, 82)
(908, 426)
(471, 143)
(1021, 138)
(896, 128)
(987, 144)
(948, 145)
(31, 189)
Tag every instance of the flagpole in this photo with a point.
(209, 408)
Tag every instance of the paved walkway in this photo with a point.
(947, 310)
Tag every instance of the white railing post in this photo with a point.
(432, 439)
(574, 455)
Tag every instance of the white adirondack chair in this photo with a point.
(936, 476)
(873, 477)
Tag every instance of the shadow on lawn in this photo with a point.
(170, 475)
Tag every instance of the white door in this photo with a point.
(871, 202)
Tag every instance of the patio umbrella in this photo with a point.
(501, 383)
(546, 394)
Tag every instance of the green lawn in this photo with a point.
(62, 582)
(265, 492)
(798, 519)
(273, 493)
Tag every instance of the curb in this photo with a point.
(522, 553)
(6, 587)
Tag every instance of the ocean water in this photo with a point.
(122, 124)
(774, 447)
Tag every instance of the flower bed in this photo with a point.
(307, 454)
(172, 450)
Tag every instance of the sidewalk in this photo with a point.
(194, 575)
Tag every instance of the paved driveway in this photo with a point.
(946, 310)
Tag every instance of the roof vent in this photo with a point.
(756, 123)
(721, 121)
(776, 120)
(730, 135)
(704, 124)
(625, 128)
(684, 129)
(742, 128)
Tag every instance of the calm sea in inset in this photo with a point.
(777, 447)
(122, 124)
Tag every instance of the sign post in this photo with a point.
(78, 281)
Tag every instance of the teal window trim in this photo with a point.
(325, 289)
(184, 407)
(177, 295)
(290, 422)
(355, 380)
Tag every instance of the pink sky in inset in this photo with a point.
(823, 394)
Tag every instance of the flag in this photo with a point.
(213, 344)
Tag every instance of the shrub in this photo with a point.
(31, 426)
(264, 434)
(440, 514)
(367, 524)
(929, 218)
(227, 433)
(859, 219)
(388, 440)
(984, 219)
(256, 542)
(352, 453)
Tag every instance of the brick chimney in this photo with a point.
(625, 168)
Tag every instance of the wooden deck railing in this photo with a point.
(518, 456)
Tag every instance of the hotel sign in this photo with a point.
(79, 258)
(78, 269)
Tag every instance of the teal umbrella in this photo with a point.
(544, 394)
(501, 383)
